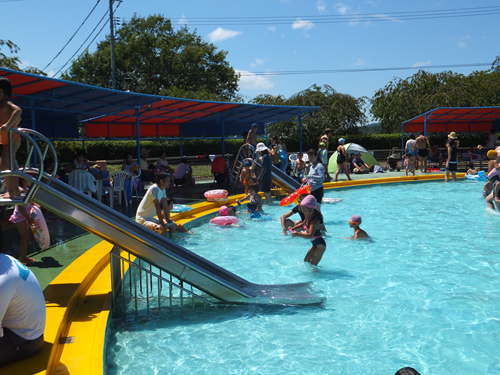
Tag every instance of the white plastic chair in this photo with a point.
(293, 160)
(118, 186)
(305, 157)
(83, 181)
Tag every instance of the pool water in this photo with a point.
(424, 292)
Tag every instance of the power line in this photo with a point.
(330, 71)
(92, 41)
(70, 39)
(366, 17)
(85, 41)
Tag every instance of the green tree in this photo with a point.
(13, 62)
(404, 99)
(153, 58)
(340, 112)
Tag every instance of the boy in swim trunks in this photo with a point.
(10, 117)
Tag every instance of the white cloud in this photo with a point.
(462, 45)
(360, 62)
(183, 20)
(419, 64)
(220, 34)
(300, 24)
(257, 63)
(465, 37)
(271, 28)
(320, 6)
(251, 81)
(341, 8)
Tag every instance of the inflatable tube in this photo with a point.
(39, 228)
(295, 195)
(180, 208)
(224, 220)
(258, 215)
(218, 200)
(331, 200)
(215, 195)
(477, 177)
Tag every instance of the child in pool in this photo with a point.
(354, 223)
(255, 203)
(247, 176)
(311, 226)
(231, 211)
(180, 228)
(300, 166)
(472, 170)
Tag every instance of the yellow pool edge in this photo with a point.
(78, 301)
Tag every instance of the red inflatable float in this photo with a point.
(295, 195)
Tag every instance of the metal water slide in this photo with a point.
(110, 225)
(123, 232)
(281, 179)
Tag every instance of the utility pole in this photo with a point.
(112, 37)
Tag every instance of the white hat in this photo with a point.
(341, 140)
(261, 147)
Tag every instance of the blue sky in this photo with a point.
(292, 38)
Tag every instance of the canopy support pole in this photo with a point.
(223, 131)
(300, 133)
(33, 126)
(138, 144)
(180, 138)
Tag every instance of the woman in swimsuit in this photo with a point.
(311, 230)
(342, 160)
(10, 117)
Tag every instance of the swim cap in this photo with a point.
(223, 211)
(309, 202)
(341, 140)
(491, 153)
(355, 219)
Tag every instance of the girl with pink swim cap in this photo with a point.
(311, 226)
(354, 223)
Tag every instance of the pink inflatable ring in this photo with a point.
(224, 220)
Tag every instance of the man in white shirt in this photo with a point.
(410, 144)
(22, 311)
(150, 207)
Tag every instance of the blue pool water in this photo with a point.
(425, 293)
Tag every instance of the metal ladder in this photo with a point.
(139, 288)
(238, 163)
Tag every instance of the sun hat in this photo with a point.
(223, 211)
(309, 202)
(322, 144)
(358, 153)
(255, 125)
(341, 140)
(453, 135)
(491, 153)
(144, 150)
(261, 147)
(355, 219)
(247, 163)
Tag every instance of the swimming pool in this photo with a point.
(423, 293)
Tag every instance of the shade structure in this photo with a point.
(351, 148)
(58, 108)
(459, 120)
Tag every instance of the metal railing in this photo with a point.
(241, 156)
(30, 165)
(138, 288)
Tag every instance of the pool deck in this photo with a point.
(78, 300)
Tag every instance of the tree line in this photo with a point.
(154, 58)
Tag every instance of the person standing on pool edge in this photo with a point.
(423, 146)
(315, 177)
(341, 160)
(452, 161)
(311, 224)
